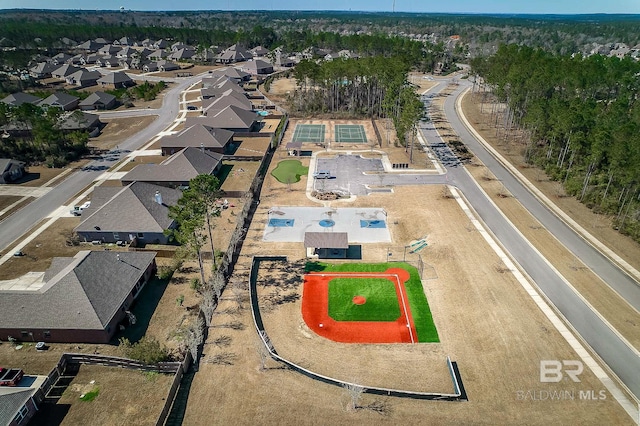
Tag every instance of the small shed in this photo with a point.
(326, 245)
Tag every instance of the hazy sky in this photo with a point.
(462, 6)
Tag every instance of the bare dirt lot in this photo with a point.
(486, 322)
(117, 130)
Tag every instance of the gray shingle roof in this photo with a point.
(198, 135)
(83, 292)
(230, 117)
(58, 99)
(130, 209)
(180, 167)
(11, 401)
(117, 77)
(337, 240)
(17, 99)
(99, 98)
(65, 70)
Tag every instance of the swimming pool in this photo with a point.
(373, 224)
(280, 223)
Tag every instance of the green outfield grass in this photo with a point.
(420, 311)
(381, 305)
(289, 171)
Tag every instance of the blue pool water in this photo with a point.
(372, 224)
(279, 223)
(326, 223)
(263, 113)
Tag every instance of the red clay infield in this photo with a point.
(315, 311)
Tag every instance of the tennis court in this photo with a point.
(308, 133)
(352, 133)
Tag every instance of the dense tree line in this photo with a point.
(583, 116)
(42, 140)
(367, 87)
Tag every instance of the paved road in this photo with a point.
(622, 359)
(16, 225)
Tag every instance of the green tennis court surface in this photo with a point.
(353, 133)
(308, 133)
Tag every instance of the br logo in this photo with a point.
(552, 371)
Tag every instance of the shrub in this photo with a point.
(147, 350)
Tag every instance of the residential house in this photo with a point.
(109, 49)
(160, 65)
(126, 52)
(105, 61)
(282, 60)
(90, 46)
(83, 78)
(181, 55)
(160, 44)
(235, 53)
(99, 101)
(17, 99)
(64, 70)
(116, 80)
(207, 55)
(60, 100)
(11, 170)
(216, 104)
(200, 136)
(81, 121)
(231, 118)
(80, 299)
(178, 169)
(221, 85)
(259, 51)
(42, 70)
(18, 404)
(156, 55)
(101, 40)
(139, 210)
(124, 41)
(257, 67)
(90, 59)
(60, 58)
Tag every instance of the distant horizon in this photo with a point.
(37, 9)
(469, 7)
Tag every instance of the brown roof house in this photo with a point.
(139, 210)
(199, 136)
(326, 245)
(178, 169)
(232, 118)
(98, 100)
(81, 121)
(116, 80)
(78, 299)
(11, 170)
(60, 100)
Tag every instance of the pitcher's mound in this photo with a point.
(359, 300)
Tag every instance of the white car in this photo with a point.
(77, 210)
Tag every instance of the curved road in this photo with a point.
(17, 224)
(620, 357)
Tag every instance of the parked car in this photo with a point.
(77, 210)
(192, 108)
(322, 174)
(10, 376)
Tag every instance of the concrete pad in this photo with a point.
(144, 152)
(24, 191)
(31, 281)
(307, 219)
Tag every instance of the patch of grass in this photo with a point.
(380, 294)
(289, 171)
(91, 395)
(420, 311)
(151, 376)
